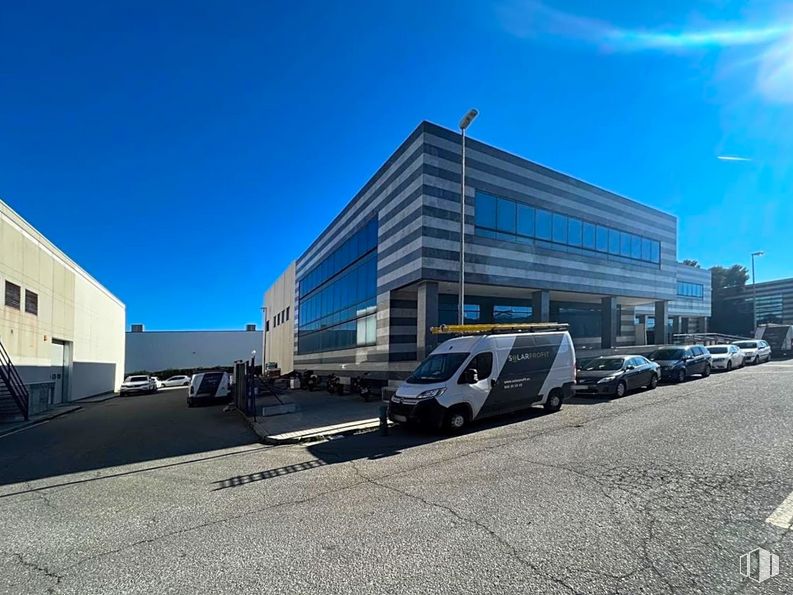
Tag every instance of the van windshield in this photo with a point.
(438, 367)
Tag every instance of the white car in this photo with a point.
(755, 351)
(177, 381)
(726, 357)
(157, 381)
(138, 384)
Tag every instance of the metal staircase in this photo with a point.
(14, 396)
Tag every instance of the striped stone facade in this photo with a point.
(415, 197)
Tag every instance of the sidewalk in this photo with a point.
(14, 426)
(319, 415)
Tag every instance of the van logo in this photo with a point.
(519, 357)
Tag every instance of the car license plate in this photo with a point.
(400, 418)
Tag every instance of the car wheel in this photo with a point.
(653, 382)
(554, 401)
(456, 420)
(706, 372)
(621, 389)
(680, 376)
(729, 366)
(189, 403)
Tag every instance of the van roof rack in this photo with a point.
(493, 329)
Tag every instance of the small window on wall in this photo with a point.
(31, 302)
(287, 313)
(13, 295)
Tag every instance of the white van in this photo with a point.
(492, 369)
(210, 386)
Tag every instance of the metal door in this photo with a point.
(58, 365)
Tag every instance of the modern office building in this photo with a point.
(155, 351)
(733, 313)
(63, 331)
(540, 246)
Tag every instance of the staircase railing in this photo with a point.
(10, 377)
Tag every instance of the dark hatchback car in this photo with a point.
(681, 362)
(615, 375)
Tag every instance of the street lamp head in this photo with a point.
(761, 253)
(468, 118)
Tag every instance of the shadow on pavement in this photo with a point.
(372, 445)
(119, 432)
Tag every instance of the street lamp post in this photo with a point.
(464, 123)
(754, 292)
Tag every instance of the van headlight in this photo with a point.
(432, 393)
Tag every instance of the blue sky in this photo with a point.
(184, 152)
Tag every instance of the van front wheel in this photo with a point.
(554, 401)
(456, 420)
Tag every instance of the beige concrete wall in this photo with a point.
(280, 339)
(72, 307)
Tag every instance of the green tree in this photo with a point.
(692, 263)
(728, 316)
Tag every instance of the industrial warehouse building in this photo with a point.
(154, 351)
(539, 246)
(63, 331)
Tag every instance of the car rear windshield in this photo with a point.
(438, 367)
(137, 379)
(668, 354)
(747, 344)
(718, 349)
(606, 363)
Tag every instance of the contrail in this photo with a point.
(732, 158)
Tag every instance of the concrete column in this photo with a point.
(486, 313)
(704, 324)
(661, 319)
(541, 306)
(609, 322)
(426, 317)
(683, 326)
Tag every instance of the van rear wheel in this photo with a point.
(554, 401)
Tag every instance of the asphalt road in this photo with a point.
(659, 492)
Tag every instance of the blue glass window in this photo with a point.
(602, 239)
(525, 221)
(485, 211)
(574, 232)
(589, 236)
(506, 216)
(514, 221)
(614, 241)
(559, 228)
(655, 252)
(625, 244)
(544, 225)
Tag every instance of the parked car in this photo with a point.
(157, 381)
(726, 357)
(679, 362)
(615, 375)
(755, 351)
(476, 376)
(177, 381)
(212, 386)
(138, 384)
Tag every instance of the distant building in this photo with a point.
(733, 313)
(63, 331)
(279, 325)
(153, 351)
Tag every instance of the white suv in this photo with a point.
(755, 351)
(138, 384)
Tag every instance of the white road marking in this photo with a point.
(783, 515)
